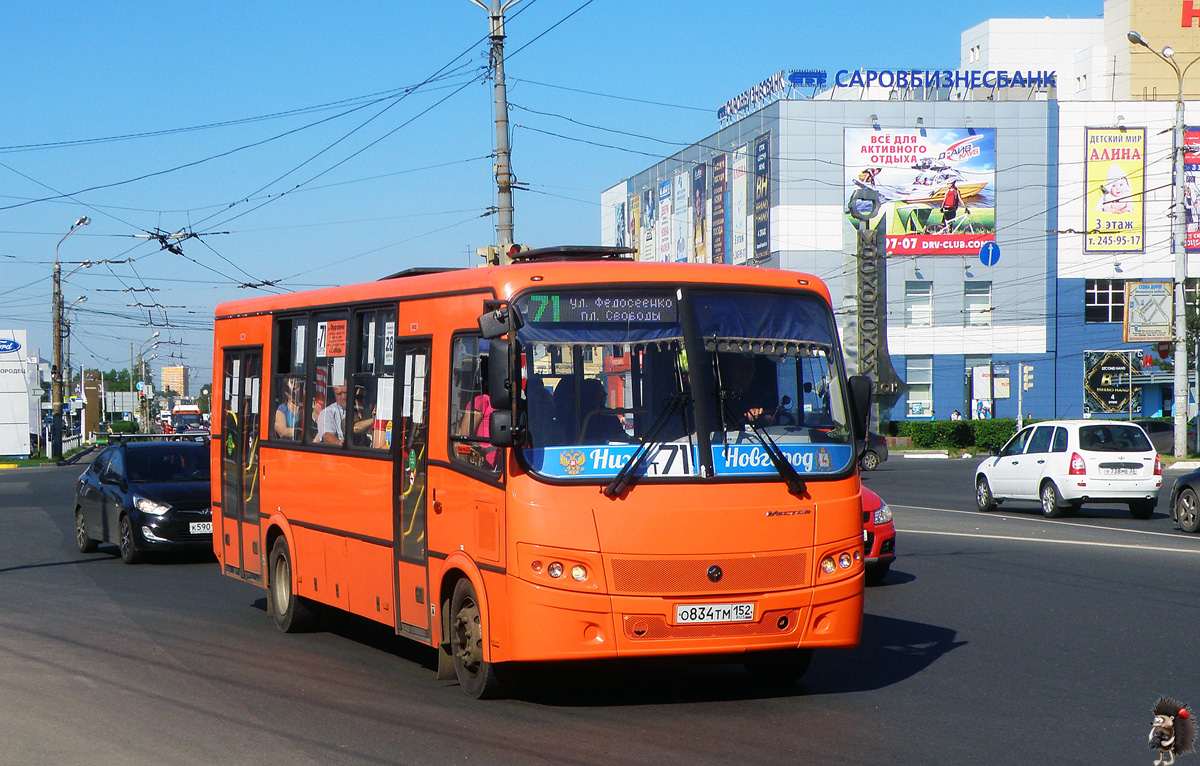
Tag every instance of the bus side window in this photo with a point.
(470, 407)
(288, 381)
(370, 400)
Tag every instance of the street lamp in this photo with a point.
(1179, 245)
(67, 336)
(56, 387)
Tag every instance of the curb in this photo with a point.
(926, 454)
(1183, 466)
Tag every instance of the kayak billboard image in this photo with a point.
(936, 186)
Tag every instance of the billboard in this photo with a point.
(1114, 181)
(915, 171)
(1191, 188)
(739, 206)
(762, 198)
(719, 192)
(15, 409)
(646, 252)
(1108, 382)
(664, 221)
(700, 213)
(1149, 312)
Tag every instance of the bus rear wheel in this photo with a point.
(478, 677)
(291, 613)
(778, 666)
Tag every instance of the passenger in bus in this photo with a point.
(475, 423)
(332, 420)
(289, 413)
(587, 424)
(745, 400)
(364, 418)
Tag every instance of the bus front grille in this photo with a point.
(691, 576)
(648, 627)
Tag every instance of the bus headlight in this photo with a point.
(827, 565)
(554, 570)
(844, 561)
(578, 573)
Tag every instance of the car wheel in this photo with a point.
(869, 461)
(1187, 510)
(1142, 509)
(877, 571)
(478, 677)
(1052, 504)
(291, 613)
(777, 666)
(984, 499)
(127, 542)
(83, 540)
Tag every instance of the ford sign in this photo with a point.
(9, 346)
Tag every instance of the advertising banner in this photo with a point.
(1149, 311)
(681, 219)
(700, 213)
(634, 239)
(739, 210)
(649, 205)
(1114, 180)
(664, 221)
(1191, 189)
(15, 407)
(719, 191)
(762, 198)
(1108, 382)
(937, 187)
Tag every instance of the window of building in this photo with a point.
(918, 304)
(1081, 82)
(1104, 300)
(976, 53)
(919, 376)
(977, 303)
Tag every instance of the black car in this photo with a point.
(1185, 501)
(875, 453)
(147, 495)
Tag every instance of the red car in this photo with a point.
(879, 536)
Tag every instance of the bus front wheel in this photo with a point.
(478, 677)
(291, 613)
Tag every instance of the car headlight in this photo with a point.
(883, 514)
(146, 505)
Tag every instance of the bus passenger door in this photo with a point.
(410, 441)
(239, 463)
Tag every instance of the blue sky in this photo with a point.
(311, 144)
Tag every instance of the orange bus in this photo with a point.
(574, 456)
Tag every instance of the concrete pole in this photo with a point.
(504, 177)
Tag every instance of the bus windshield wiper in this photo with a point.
(628, 472)
(778, 459)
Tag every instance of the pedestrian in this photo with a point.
(956, 415)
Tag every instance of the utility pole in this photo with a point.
(504, 177)
(56, 371)
(1179, 245)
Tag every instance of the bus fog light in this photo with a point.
(827, 565)
(536, 567)
(858, 555)
(578, 573)
(555, 569)
(844, 561)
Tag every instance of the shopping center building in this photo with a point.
(1046, 288)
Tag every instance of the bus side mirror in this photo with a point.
(500, 430)
(500, 385)
(498, 320)
(860, 402)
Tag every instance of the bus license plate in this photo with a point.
(696, 613)
(200, 527)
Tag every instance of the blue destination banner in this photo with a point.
(745, 459)
(945, 78)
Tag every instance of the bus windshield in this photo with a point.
(606, 372)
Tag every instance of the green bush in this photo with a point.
(956, 434)
(991, 434)
(124, 427)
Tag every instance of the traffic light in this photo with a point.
(1026, 377)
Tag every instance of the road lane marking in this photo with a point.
(1048, 540)
(1039, 520)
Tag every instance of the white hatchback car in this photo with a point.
(1066, 463)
